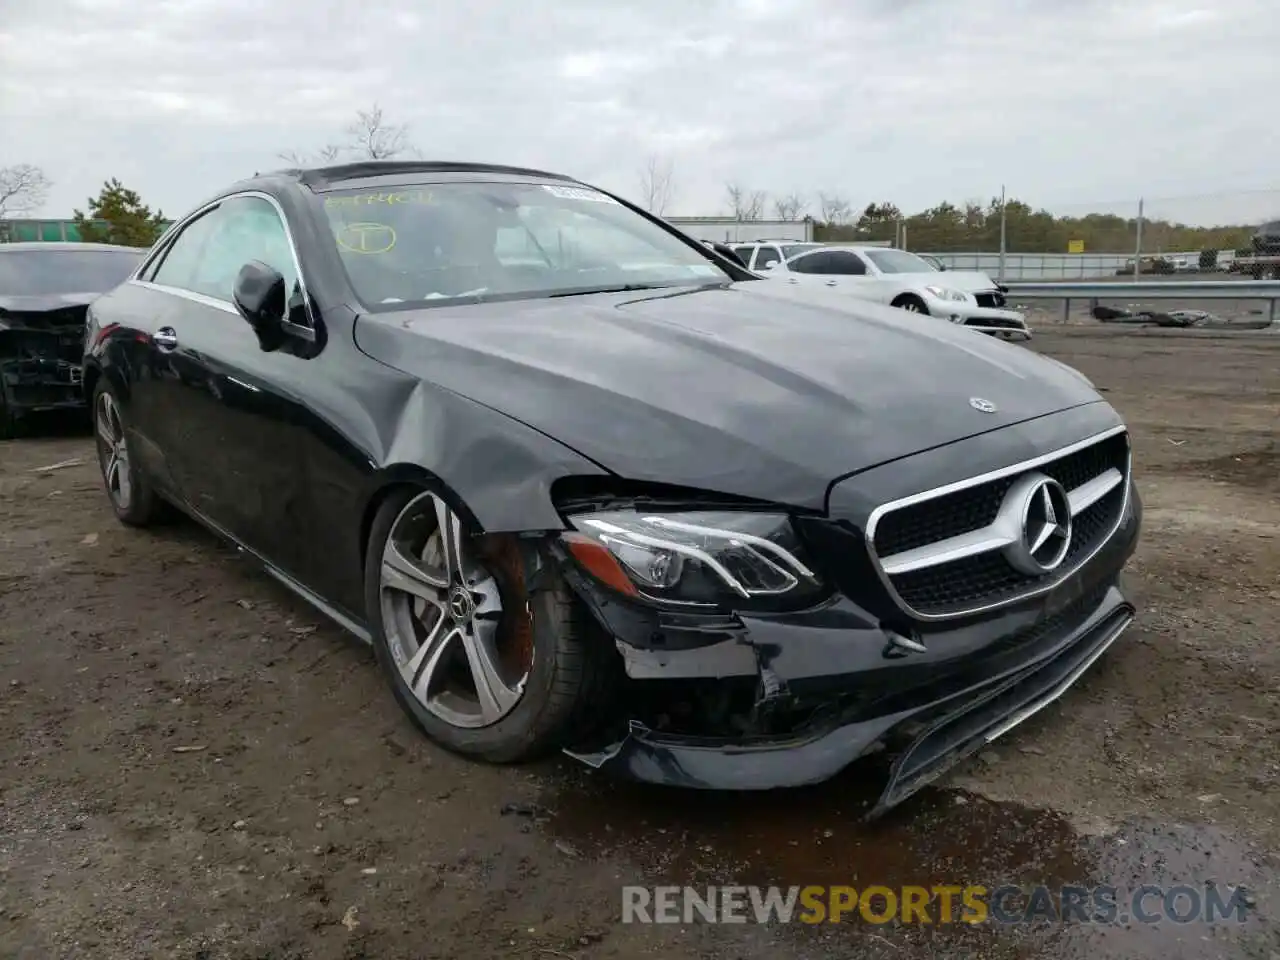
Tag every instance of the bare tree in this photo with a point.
(368, 137)
(736, 196)
(657, 183)
(371, 137)
(23, 189)
(745, 204)
(790, 207)
(833, 208)
(326, 154)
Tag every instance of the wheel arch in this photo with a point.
(408, 476)
(94, 371)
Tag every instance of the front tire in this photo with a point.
(129, 490)
(485, 664)
(911, 303)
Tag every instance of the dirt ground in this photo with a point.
(194, 765)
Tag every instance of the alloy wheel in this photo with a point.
(442, 617)
(113, 451)
(911, 306)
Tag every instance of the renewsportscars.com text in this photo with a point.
(940, 904)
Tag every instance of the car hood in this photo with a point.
(53, 311)
(751, 389)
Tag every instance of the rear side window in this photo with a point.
(37, 273)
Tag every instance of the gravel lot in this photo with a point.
(196, 766)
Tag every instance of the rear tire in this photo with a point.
(132, 496)
(431, 655)
(911, 303)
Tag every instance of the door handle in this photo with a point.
(166, 338)
(831, 283)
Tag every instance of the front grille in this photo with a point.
(987, 578)
(999, 323)
(993, 299)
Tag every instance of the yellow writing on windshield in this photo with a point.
(366, 238)
(368, 199)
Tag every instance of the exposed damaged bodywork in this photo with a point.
(41, 345)
(45, 291)
(742, 702)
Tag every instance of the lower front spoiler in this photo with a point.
(954, 728)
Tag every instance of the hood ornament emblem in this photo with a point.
(982, 406)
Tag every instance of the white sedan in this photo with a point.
(901, 279)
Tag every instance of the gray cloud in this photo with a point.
(911, 100)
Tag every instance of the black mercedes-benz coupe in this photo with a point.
(585, 483)
(45, 289)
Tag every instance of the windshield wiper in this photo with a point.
(617, 288)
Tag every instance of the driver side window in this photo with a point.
(249, 228)
(810, 263)
(207, 256)
(846, 264)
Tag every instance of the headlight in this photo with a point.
(943, 293)
(720, 559)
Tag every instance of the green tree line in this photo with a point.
(118, 215)
(973, 227)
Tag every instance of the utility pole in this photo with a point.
(1003, 235)
(1137, 255)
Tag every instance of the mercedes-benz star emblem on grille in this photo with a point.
(982, 406)
(1045, 512)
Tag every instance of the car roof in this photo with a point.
(335, 176)
(859, 248)
(67, 246)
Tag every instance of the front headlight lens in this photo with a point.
(945, 293)
(723, 559)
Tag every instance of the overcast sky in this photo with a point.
(1068, 102)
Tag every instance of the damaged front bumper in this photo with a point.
(40, 359)
(996, 321)
(834, 684)
(36, 384)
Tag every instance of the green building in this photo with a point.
(28, 231)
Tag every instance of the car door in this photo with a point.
(232, 422)
(809, 269)
(848, 272)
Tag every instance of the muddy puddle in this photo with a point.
(940, 837)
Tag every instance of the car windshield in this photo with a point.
(899, 261)
(411, 244)
(37, 273)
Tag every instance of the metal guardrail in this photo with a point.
(1135, 291)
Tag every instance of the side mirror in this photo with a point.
(260, 297)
